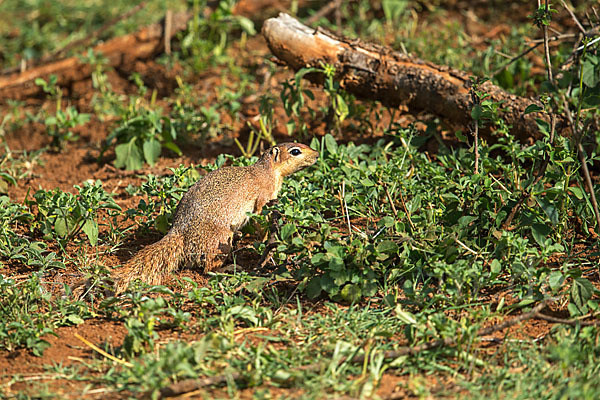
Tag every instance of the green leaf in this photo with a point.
(162, 223)
(287, 230)
(303, 71)
(40, 82)
(463, 222)
(173, 147)
(244, 312)
(319, 259)
(281, 376)
(247, 25)
(540, 232)
(151, 151)
(386, 221)
(351, 293)
(533, 108)
(367, 182)
(291, 126)
(8, 178)
(573, 310)
(60, 227)
(555, 280)
(90, 228)
(75, 319)
(341, 110)
(313, 289)
(543, 126)
(549, 209)
(406, 317)
(581, 291)
(591, 101)
(128, 156)
(460, 136)
(589, 75)
(330, 144)
(387, 247)
(577, 192)
(495, 267)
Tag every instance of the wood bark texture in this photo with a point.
(375, 72)
(121, 52)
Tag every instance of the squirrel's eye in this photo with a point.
(295, 152)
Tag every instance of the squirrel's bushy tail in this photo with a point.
(152, 264)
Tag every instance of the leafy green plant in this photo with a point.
(62, 215)
(17, 165)
(293, 98)
(339, 99)
(28, 314)
(60, 125)
(140, 137)
(188, 119)
(207, 37)
(162, 197)
(105, 102)
(144, 315)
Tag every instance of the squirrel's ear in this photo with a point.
(275, 153)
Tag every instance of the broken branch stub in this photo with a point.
(375, 72)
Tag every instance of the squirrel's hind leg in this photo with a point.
(212, 250)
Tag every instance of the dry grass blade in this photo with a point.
(102, 352)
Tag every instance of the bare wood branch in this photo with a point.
(329, 7)
(190, 385)
(515, 58)
(581, 28)
(168, 29)
(119, 51)
(77, 43)
(377, 73)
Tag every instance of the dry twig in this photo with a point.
(329, 7)
(572, 322)
(102, 352)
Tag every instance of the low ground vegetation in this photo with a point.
(397, 238)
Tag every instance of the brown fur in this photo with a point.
(211, 211)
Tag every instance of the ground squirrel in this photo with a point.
(211, 211)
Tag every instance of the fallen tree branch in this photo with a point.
(77, 43)
(377, 73)
(94, 35)
(120, 52)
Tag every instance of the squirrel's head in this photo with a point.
(287, 158)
